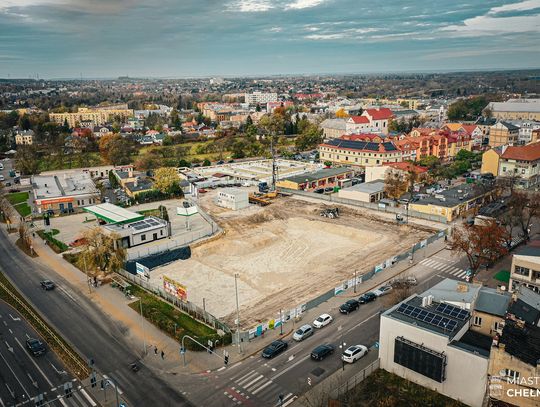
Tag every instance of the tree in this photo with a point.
(163, 212)
(310, 137)
(101, 252)
(27, 159)
(395, 184)
(429, 161)
(524, 207)
(467, 109)
(481, 244)
(206, 162)
(342, 114)
(166, 180)
(115, 149)
(113, 180)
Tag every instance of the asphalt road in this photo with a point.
(22, 375)
(259, 382)
(88, 329)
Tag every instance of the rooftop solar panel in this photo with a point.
(428, 317)
(452, 311)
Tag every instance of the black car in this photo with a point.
(319, 191)
(322, 351)
(47, 285)
(274, 349)
(328, 190)
(35, 346)
(349, 306)
(367, 297)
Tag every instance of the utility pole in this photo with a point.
(87, 276)
(237, 313)
(281, 323)
(355, 281)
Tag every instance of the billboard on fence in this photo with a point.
(175, 288)
(142, 270)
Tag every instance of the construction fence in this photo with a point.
(341, 393)
(188, 307)
(369, 205)
(295, 313)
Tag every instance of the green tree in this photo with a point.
(101, 253)
(310, 137)
(27, 159)
(467, 109)
(238, 149)
(429, 161)
(166, 180)
(206, 162)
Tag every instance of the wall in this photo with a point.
(500, 388)
(466, 373)
(487, 326)
(490, 163)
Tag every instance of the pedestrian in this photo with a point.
(162, 355)
(155, 350)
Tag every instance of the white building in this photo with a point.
(232, 198)
(526, 128)
(260, 98)
(140, 232)
(427, 340)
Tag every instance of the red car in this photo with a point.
(78, 242)
(202, 191)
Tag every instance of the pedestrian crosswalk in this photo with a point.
(446, 268)
(253, 386)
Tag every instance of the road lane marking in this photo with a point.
(34, 363)
(222, 368)
(14, 375)
(361, 322)
(247, 377)
(290, 367)
(253, 381)
(289, 401)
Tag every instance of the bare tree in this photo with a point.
(395, 184)
(482, 245)
(523, 208)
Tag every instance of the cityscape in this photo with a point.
(289, 203)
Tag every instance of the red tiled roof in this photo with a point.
(469, 128)
(360, 119)
(380, 114)
(362, 136)
(406, 166)
(529, 152)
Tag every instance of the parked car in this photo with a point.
(328, 190)
(305, 331)
(7, 184)
(367, 297)
(220, 162)
(383, 290)
(202, 191)
(47, 285)
(2, 178)
(81, 241)
(323, 320)
(1, 166)
(35, 346)
(349, 306)
(274, 349)
(353, 353)
(322, 351)
(404, 282)
(319, 191)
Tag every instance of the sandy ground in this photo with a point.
(284, 254)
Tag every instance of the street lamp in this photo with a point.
(342, 348)
(142, 326)
(237, 314)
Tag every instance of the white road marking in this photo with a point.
(2, 402)
(87, 397)
(268, 383)
(247, 377)
(289, 401)
(221, 368)
(67, 293)
(462, 274)
(446, 268)
(13, 318)
(248, 385)
(14, 375)
(361, 322)
(290, 367)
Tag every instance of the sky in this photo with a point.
(197, 38)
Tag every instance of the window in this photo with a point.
(497, 326)
(477, 321)
(161, 232)
(522, 271)
(143, 238)
(511, 374)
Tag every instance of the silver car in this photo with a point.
(303, 332)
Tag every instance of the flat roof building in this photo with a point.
(140, 231)
(365, 192)
(327, 177)
(113, 214)
(232, 198)
(63, 194)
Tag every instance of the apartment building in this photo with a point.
(379, 119)
(525, 268)
(24, 137)
(333, 128)
(359, 153)
(516, 109)
(503, 133)
(92, 116)
(521, 162)
(261, 98)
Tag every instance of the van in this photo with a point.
(305, 331)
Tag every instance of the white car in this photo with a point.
(353, 353)
(2, 178)
(323, 320)
(385, 289)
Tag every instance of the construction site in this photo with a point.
(284, 250)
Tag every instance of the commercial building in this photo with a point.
(232, 198)
(112, 214)
(461, 201)
(24, 137)
(358, 153)
(519, 162)
(260, 98)
(374, 173)
(427, 340)
(503, 133)
(64, 194)
(516, 109)
(526, 267)
(327, 177)
(140, 232)
(93, 116)
(365, 192)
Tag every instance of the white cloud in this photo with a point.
(488, 25)
(300, 4)
(250, 6)
(524, 5)
(276, 29)
(318, 37)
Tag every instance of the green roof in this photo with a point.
(113, 214)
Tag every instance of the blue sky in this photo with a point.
(179, 38)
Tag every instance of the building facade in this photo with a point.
(503, 133)
(94, 116)
(359, 153)
(525, 268)
(25, 137)
(516, 109)
(261, 98)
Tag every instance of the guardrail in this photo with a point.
(84, 370)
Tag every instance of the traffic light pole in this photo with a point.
(225, 356)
